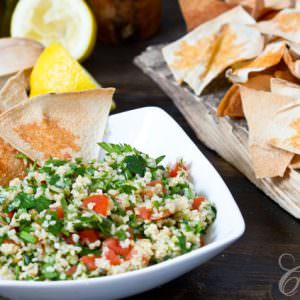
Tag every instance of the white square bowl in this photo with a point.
(152, 131)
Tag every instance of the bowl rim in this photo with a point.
(233, 236)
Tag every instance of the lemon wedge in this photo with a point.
(68, 22)
(56, 71)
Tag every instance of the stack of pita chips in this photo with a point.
(256, 45)
(63, 125)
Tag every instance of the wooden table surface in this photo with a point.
(247, 270)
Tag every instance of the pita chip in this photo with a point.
(18, 54)
(284, 132)
(295, 164)
(60, 125)
(271, 56)
(286, 24)
(231, 104)
(259, 108)
(196, 12)
(293, 65)
(286, 88)
(255, 7)
(208, 50)
(12, 93)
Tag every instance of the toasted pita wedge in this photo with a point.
(286, 88)
(285, 130)
(18, 54)
(58, 125)
(295, 164)
(12, 93)
(231, 104)
(286, 24)
(271, 56)
(293, 65)
(286, 75)
(259, 108)
(279, 4)
(196, 12)
(208, 50)
(255, 7)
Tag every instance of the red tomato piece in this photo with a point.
(68, 239)
(7, 241)
(112, 257)
(71, 271)
(87, 236)
(197, 202)
(113, 244)
(9, 215)
(60, 213)
(154, 182)
(145, 213)
(174, 171)
(89, 261)
(165, 215)
(101, 203)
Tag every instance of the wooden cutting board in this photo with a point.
(227, 136)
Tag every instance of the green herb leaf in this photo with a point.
(41, 203)
(117, 148)
(182, 244)
(136, 164)
(121, 234)
(22, 156)
(55, 162)
(27, 237)
(159, 159)
(49, 275)
(57, 227)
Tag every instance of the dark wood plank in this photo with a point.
(247, 270)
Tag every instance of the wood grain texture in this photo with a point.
(227, 136)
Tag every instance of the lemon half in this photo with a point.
(56, 71)
(68, 22)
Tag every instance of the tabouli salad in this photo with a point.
(71, 219)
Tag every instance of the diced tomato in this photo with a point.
(60, 213)
(145, 213)
(112, 257)
(7, 241)
(130, 254)
(147, 193)
(166, 214)
(101, 203)
(197, 202)
(71, 271)
(174, 171)
(114, 244)
(154, 182)
(68, 239)
(9, 214)
(89, 261)
(88, 236)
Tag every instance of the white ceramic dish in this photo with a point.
(153, 131)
